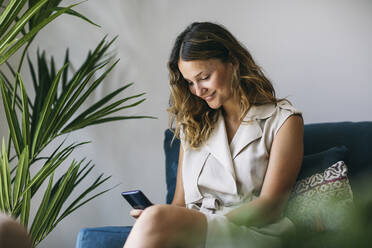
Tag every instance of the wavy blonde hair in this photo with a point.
(203, 41)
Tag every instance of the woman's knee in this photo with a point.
(162, 218)
(168, 218)
(12, 234)
(154, 217)
(170, 226)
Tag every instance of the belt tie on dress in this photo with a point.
(210, 205)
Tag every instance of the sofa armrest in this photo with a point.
(107, 237)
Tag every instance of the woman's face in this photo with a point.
(208, 79)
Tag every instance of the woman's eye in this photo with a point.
(190, 83)
(205, 78)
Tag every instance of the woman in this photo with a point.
(241, 150)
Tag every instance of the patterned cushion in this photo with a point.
(319, 202)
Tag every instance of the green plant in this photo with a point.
(13, 22)
(56, 109)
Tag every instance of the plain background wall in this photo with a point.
(317, 53)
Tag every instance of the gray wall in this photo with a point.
(317, 53)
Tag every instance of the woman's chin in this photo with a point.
(213, 105)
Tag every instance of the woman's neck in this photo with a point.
(232, 119)
(231, 111)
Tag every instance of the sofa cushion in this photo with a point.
(171, 149)
(322, 201)
(356, 136)
(108, 237)
(314, 163)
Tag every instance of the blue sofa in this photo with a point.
(324, 144)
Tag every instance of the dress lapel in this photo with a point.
(250, 130)
(218, 146)
(246, 134)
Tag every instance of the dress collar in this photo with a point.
(257, 112)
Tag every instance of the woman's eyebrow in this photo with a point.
(197, 75)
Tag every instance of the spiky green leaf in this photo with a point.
(47, 108)
(5, 174)
(26, 205)
(12, 119)
(77, 14)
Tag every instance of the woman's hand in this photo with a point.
(135, 213)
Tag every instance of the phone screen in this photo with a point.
(136, 199)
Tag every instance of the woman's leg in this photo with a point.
(168, 226)
(12, 234)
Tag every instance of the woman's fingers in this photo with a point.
(135, 213)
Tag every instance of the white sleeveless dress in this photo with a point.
(219, 177)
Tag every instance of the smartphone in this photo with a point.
(136, 199)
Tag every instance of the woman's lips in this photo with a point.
(210, 97)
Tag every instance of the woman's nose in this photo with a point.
(200, 90)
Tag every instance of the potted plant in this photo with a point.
(56, 109)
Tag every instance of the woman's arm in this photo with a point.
(286, 155)
(179, 194)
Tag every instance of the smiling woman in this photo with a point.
(241, 150)
(209, 82)
(222, 64)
